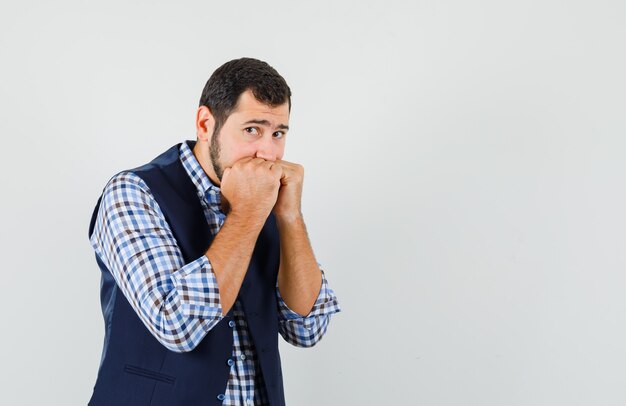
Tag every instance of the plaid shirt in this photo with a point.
(179, 303)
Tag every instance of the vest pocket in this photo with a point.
(146, 373)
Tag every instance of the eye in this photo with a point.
(251, 130)
(279, 134)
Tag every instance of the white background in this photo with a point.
(464, 185)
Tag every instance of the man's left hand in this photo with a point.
(287, 205)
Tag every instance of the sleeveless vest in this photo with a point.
(138, 370)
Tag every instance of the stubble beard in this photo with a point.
(214, 154)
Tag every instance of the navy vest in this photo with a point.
(136, 369)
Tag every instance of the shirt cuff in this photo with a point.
(198, 290)
(325, 305)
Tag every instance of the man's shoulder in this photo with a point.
(125, 185)
(133, 179)
(170, 156)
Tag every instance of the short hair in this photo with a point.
(229, 81)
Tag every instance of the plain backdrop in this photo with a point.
(464, 185)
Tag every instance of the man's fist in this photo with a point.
(251, 186)
(288, 205)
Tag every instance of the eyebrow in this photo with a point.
(267, 123)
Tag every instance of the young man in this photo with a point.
(205, 257)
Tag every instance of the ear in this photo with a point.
(204, 123)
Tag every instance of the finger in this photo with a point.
(281, 164)
(286, 164)
(265, 163)
(276, 169)
(259, 161)
(279, 172)
(243, 161)
(290, 168)
(225, 175)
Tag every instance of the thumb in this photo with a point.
(225, 176)
(279, 172)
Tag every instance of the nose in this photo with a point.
(267, 150)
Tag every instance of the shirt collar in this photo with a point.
(207, 190)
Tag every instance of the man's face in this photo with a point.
(253, 129)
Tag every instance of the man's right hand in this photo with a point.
(250, 188)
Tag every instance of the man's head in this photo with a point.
(244, 111)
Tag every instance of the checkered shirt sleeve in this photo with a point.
(309, 330)
(178, 303)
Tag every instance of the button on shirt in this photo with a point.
(179, 303)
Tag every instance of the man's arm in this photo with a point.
(230, 254)
(299, 276)
(305, 301)
(177, 302)
(250, 188)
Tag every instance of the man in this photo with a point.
(205, 257)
